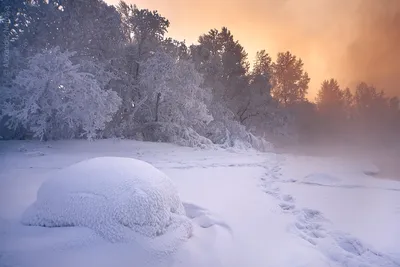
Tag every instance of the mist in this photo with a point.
(374, 54)
(351, 41)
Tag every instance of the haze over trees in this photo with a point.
(84, 69)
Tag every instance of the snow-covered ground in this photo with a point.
(247, 209)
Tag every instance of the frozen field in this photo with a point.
(247, 209)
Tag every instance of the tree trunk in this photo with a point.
(139, 57)
(157, 105)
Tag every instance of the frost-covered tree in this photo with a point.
(348, 102)
(89, 27)
(144, 28)
(368, 99)
(53, 98)
(15, 64)
(176, 48)
(330, 103)
(192, 100)
(173, 88)
(330, 96)
(290, 81)
(256, 99)
(14, 20)
(156, 76)
(144, 31)
(223, 62)
(369, 106)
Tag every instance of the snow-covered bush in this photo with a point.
(230, 133)
(216, 132)
(122, 199)
(221, 129)
(172, 133)
(53, 98)
(260, 143)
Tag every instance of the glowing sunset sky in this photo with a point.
(336, 39)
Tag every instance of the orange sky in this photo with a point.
(318, 31)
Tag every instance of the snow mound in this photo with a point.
(122, 199)
(370, 169)
(321, 179)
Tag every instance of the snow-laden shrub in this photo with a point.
(122, 199)
(227, 132)
(260, 143)
(172, 133)
(231, 133)
(251, 142)
(54, 98)
(216, 132)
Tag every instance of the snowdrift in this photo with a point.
(369, 168)
(320, 178)
(121, 199)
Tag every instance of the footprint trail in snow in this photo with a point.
(309, 224)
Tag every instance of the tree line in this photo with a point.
(84, 69)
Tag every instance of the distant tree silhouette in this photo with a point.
(331, 107)
(290, 81)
